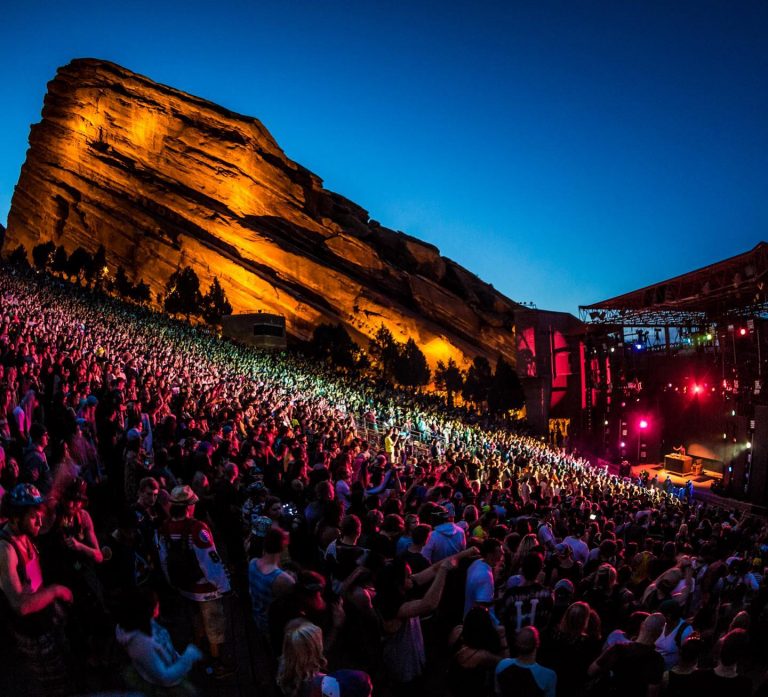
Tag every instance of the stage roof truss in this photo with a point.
(734, 288)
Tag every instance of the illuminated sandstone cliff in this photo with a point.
(164, 179)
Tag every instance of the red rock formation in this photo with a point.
(165, 179)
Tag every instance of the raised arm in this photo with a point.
(430, 601)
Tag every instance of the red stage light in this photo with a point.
(643, 423)
(696, 389)
(742, 332)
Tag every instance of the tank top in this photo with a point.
(30, 576)
(403, 652)
(260, 586)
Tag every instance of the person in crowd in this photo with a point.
(35, 610)
(302, 667)
(522, 676)
(476, 647)
(676, 631)
(266, 580)
(193, 567)
(157, 669)
(35, 469)
(446, 539)
(403, 652)
(201, 408)
(526, 602)
(725, 678)
(636, 668)
(480, 586)
(570, 649)
(679, 681)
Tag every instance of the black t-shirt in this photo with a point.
(706, 683)
(417, 561)
(634, 667)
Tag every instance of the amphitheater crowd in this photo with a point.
(156, 479)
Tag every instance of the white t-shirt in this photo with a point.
(479, 587)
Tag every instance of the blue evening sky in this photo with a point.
(564, 151)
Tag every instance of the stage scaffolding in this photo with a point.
(728, 290)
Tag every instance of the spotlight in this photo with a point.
(643, 424)
(742, 332)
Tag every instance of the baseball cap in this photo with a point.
(23, 495)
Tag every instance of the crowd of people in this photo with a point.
(156, 479)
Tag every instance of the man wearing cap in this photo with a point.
(446, 540)
(194, 568)
(33, 612)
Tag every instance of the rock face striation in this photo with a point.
(163, 179)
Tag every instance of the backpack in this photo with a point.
(182, 566)
(733, 592)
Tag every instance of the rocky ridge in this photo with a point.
(164, 179)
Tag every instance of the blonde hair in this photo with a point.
(527, 544)
(302, 657)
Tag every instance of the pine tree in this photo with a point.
(477, 384)
(141, 293)
(215, 303)
(411, 367)
(182, 293)
(384, 351)
(94, 271)
(78, 262)
(506, 391)
(122, 285)
(449, 378)
(331, 342)
(60, 259)
(18, 258)
(42, 255)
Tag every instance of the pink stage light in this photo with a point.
(696, 389)
(742, 332)
(643, 423)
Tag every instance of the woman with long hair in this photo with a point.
(302, 657)
(571, 648)
(403, 651)
(477, 646)
(301, 672)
